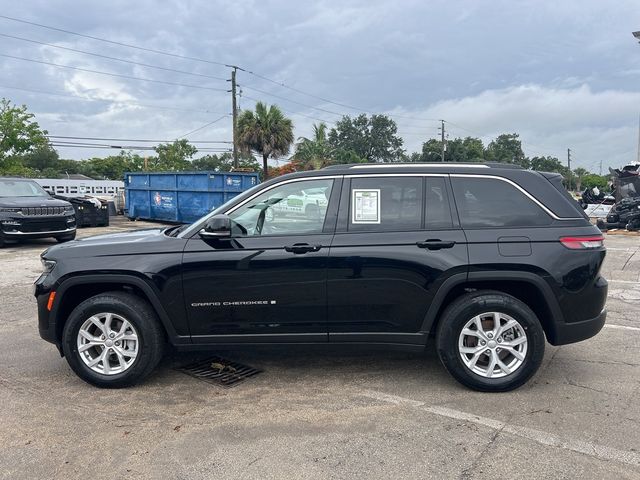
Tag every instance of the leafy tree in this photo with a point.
(43, 157)
(591, 180)
(49, 172)
(112, 167)
(548, 164)
(173, 156)
(347, 156)
(431, 151)
(19, 134)
(373, 139)
(414, 157)
(282, 170)
(579, 175)
(224, 162)
(464, 150)
(314, 153)
(473, 149)
(467, 149)
(506, 148)
(267, 132)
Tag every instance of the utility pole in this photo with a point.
(638, 157)
(600, 168)
(569, 165)
(235, 116)
(444, 145)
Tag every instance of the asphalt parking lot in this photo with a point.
(314, 414)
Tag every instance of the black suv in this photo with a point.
(485, 261)
(28, 211)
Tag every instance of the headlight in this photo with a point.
(10, 210)
(69, 209)
(47, 265)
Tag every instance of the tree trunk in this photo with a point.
(265, 175)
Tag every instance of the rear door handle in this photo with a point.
(299, 248)
(435, 244)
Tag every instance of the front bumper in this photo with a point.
(46, 327)
(37, 226)
(576, 331)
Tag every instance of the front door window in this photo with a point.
(295, 208)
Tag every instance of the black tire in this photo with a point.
(151, 338)
(463, 309)
(66, 238)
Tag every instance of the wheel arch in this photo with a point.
(528, 287)
(75, 290)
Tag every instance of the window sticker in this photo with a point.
(366, 206)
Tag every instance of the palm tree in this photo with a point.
(313, 154)
(267, 132)
(579, 173)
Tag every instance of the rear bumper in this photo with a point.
(576, 331)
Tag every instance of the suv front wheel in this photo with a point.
(113, 340)
(490, 341)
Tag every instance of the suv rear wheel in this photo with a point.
(490, 341)
(113, 340)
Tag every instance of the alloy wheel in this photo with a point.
(107, 343)
(493, 345)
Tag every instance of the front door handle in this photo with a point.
(299, 248)
(435, 244)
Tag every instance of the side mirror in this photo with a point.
(218, 226)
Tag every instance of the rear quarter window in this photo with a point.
(494, 203)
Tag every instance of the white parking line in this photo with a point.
(544, 438)
(622, 327)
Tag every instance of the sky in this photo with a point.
(561, 74)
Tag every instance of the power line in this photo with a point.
(124, 147)
(122, 44)
(95, 99)
(291, 101)
(326, 100)
(294, 113)
(202, 127)
(213, 62)
(84, 52)
(130, 77)
(132, 140)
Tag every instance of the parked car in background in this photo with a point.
(485, 263)
(28, 211)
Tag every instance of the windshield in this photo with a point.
(21, 188)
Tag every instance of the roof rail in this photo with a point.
(424, 164)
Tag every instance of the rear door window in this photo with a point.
(385, 204)
(490, 202)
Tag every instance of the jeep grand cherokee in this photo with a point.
(480, 261)
(28, 211)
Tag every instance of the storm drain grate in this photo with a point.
(220, 371)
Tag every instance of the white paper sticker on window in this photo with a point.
(366, 206)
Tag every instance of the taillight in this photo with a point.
(583, 243)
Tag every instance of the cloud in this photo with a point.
(562, 74)
(596, 125)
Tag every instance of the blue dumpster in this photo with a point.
(181, 196)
